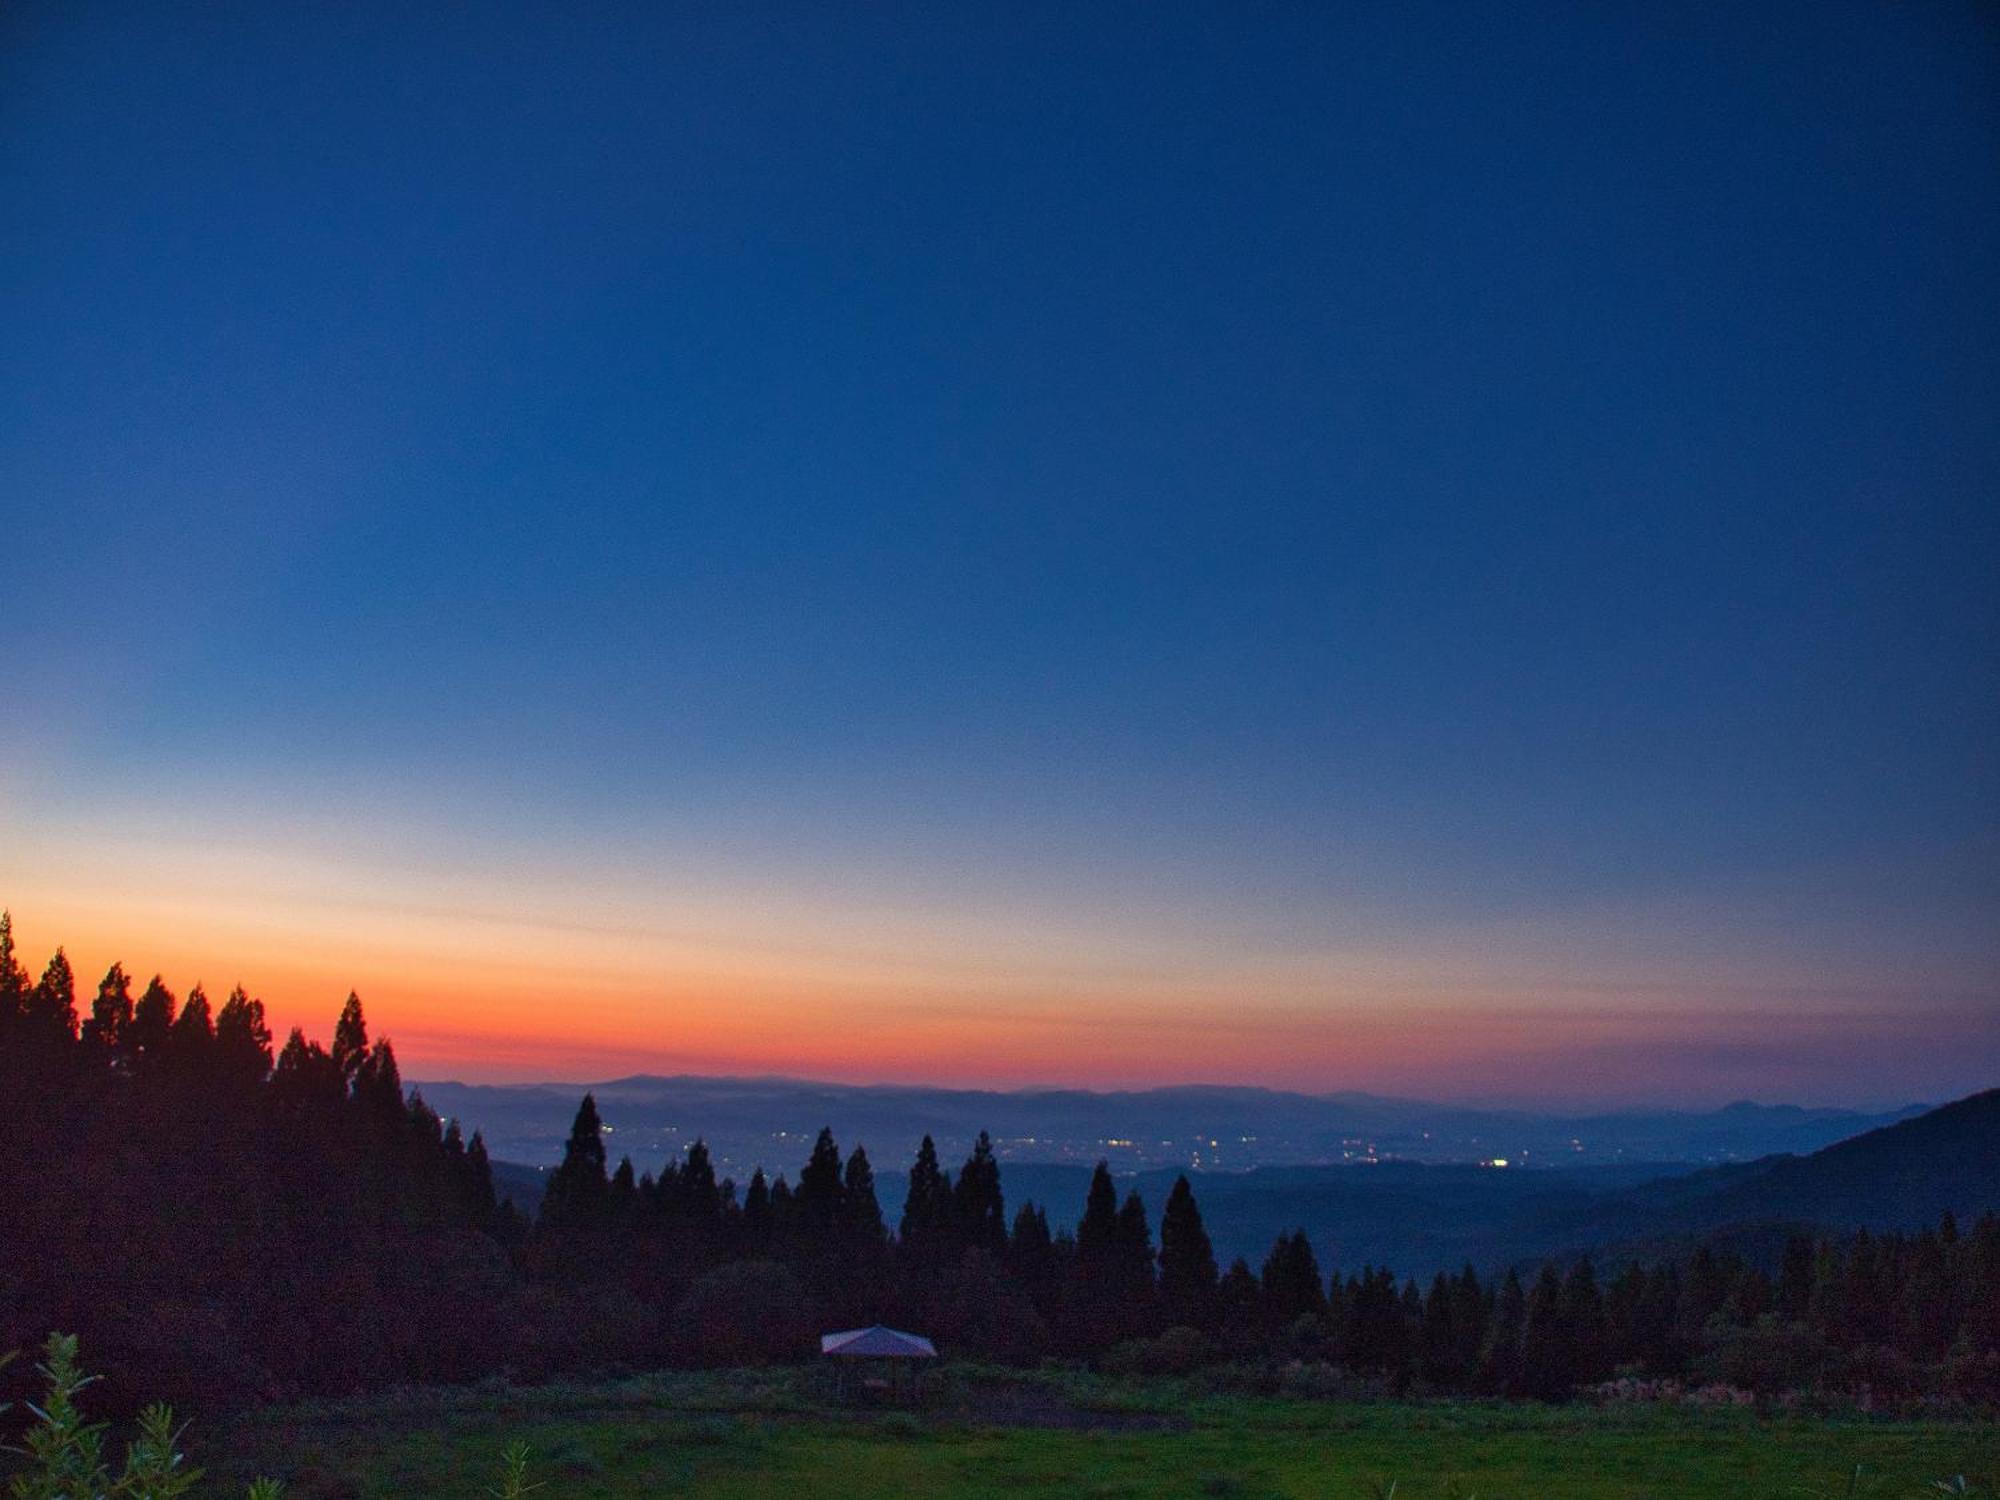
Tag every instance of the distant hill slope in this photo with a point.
(1901, 1176)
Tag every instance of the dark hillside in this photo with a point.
(1899, 1177)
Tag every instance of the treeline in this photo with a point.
(214, 1218)
(225, 1222)
(1894, 1315)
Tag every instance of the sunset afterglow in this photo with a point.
(635, 550)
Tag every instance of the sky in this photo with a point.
(1440, 549)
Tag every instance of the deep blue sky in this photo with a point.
(1293, 490)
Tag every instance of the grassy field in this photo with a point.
(771, 1434)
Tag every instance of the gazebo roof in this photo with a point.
(877, 1343)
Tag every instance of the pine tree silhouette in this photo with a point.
(979, 1212)
(242, 1038)
(925, 1233)
(577, 1190)
(152, 1022)
(110, 1016)
(49, 1016)
(350, 1041)
(193, 1033)
(861, 1214)
(1188, 1277)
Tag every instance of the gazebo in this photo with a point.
(879, 1359)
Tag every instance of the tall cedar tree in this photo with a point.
(979, 1212)
(861, 1213)
(194, 1027)
(1134, 1259)
(243, 1038)
(110, 1016)
(1031, 1257)
(152, 1022)
(350, 1041)
(926, 1229)
(1188, 1276)
(1239, 1299)
(577, 1190)
(1292, 1285)
(756, 1228)
(1097, 1230)
(51, 1007)
(818, 1198)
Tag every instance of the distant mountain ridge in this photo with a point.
(1421, 1218)
(1901, 1176)
(749, 1122)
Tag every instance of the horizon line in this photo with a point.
(1557, 1111)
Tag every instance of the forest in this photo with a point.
(224, 1221)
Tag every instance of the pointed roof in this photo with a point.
(877, 1342)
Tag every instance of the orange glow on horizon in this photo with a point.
(493, 963)
(528, 1008)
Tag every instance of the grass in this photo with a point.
(762, 1434)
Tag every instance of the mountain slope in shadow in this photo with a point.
(1903, 1176)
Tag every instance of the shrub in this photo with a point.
(1178, 1351)
(65, 1453)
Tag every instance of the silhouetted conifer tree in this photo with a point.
(193, 1035)
(50, 1014)
(1031, 1256)
(378, 1083)
(861, 1213)
(577, 1189)
(818, 1197)
(110, 1016)
(152, 1022)
(622, 1195)
(1188, 1277)
(756, 1227)
(1134, 1254)
(305, 1074)
(699, 1203)
(1097, 1231)
(1291, 1281)
(478, 1181)
(350, 1041)
(925, 1233)
(1240, 1300)
(979, 1212)
(242, 1038)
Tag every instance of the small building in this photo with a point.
(876, 1362)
